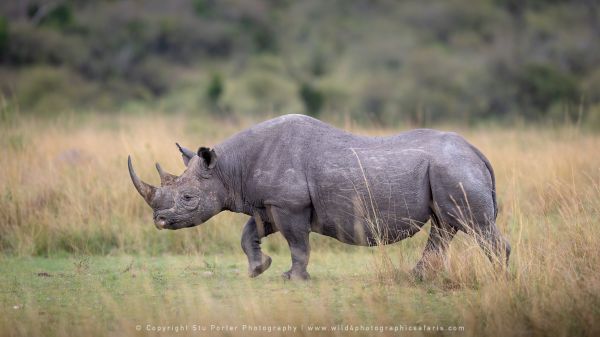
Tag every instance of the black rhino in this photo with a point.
(296, 175)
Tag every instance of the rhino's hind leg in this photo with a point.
(495, 246)
(258, 262)
(469, 205)
(474, 214)
(435, 252)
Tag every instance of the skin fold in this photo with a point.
(296, 175)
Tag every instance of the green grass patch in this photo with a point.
(106, 295)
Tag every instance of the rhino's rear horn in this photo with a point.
(186, 154)
(165, 177)
(147, 191)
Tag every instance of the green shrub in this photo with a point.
(215, 89)
(318, 65)
(59, 17)
(376, 101)
(152, 74)
(3, 36)
(261, 30)
(203, 8)
(214, 94)
(312, 98)
(31, 45)
(265, 39)
(263, 86)
(49, 91)
(542, 85)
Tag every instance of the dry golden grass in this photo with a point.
(65, 192)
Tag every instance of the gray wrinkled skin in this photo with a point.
(296, 175)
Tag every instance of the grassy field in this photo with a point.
(80, 256)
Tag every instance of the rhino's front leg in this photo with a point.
(295, 228)
(251, 236)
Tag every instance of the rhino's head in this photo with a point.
(187, 200)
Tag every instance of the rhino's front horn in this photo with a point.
(165, 177)
(145, 190)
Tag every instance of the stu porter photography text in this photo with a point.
(289, 328)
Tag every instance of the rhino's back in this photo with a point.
(294, 131)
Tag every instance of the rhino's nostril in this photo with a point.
(160, 222)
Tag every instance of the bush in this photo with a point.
(152, 74)
(312, 98)
(318, 64)
(541, 85)
(267, 91)
(215, 89)
(376, 101)
(203, 8)
(3, 36)
(214, 92)
(31, 45)
(264, 39)
(50, 91)
(59, 17)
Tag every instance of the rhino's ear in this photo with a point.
(186, 154)
(209, 156)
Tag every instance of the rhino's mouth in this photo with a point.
(162, 223)
(161, 226)
(164, 220)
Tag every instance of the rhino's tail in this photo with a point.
(492, 175)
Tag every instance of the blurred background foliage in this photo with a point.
(380, 62)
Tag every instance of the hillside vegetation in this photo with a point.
(381, 62)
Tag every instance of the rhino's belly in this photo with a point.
(383, 198)
(385, 228)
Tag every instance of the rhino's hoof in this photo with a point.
(422, 272)
(418, 274)
(255, 270)
(296, 275)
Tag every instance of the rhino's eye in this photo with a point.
(187, 197)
